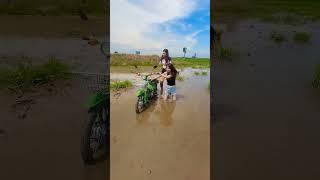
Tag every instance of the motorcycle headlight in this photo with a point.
(145, 78)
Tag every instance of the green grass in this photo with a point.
(277, 37)
(197, 63)
(180, 78)
(144, 60)
(27, 76)
(224, 54)
(302, 37)
(204, 73)
(117, 85)
(196, 73)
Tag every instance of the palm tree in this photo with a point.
(184, 51)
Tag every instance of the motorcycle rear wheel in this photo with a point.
(95, 139)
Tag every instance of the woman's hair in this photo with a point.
(173, 70)
(166, 51)
(167, 58)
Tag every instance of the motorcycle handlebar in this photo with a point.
(148, 74)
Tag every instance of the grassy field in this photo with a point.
(266, 9)
(49, 7)
(144, 60)
(277, 37)
(117, 85)
(25, 77)
(302, 37)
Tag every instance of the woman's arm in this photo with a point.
(165, 75)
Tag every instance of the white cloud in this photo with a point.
(134, 25)
(191, 37)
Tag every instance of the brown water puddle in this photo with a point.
(52, 26)
(36, 38)
(42, 140)
(267, 113)
(45, 143)
(170, 140)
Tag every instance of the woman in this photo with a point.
(170, 75)
(165, 61)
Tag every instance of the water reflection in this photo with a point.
(161, 110)
(166, 111)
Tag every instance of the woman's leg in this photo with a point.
(161, 86)
(174, 93)
(174, 97)
(167, 93)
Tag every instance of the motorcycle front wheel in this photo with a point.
(315, 84)
(139, 105)
(95, 139)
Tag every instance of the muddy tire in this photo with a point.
(104, 47)
(139, 107)
(87, 152)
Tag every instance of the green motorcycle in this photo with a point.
(147, 93)
(95, 141)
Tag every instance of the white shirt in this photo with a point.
(163, 62)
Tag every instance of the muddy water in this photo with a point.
(267, 113)
(77, 52)
(36, 38)
(45, 144)
(170, 140)
(52, 26)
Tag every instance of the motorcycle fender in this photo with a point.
(94, 100)
(140, 92)
(150, 87)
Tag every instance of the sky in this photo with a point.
(150, 26)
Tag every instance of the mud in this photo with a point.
(45, 144)
(36, 38)
(169, 140)
(266, 110)
(40, 139)
(52, 26)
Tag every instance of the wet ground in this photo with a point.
(36, 38)
(52, 26)
(169, 140)
(267, 113)
(41, 139)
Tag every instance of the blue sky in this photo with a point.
(150, 26)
